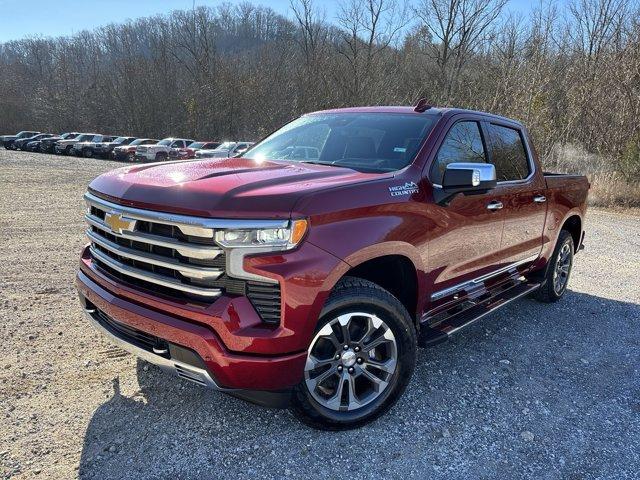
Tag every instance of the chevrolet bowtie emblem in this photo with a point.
(117, 223)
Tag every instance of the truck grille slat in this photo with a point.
(155, 260)
(172, 255)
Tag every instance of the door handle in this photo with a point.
(539, 199)
(495, 205)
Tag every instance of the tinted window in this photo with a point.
(508, 154)
(463, 143)
(373, 142)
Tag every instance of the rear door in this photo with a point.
(522, 188)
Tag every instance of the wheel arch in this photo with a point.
(573, 225)
(394, 266)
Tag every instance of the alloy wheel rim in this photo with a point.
(351, 361)
(562, 269)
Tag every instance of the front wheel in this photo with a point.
(88, 152)
(559, 270)
(360, 360)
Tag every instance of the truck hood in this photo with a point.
(226, 188)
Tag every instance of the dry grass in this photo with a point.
(609, 188)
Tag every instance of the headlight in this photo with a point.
(276, 238)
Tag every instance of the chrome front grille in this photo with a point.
(158, 249)
(174, 255)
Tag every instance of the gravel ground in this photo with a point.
(544, 391)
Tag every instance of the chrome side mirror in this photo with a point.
(466, 178)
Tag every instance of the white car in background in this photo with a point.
(85, 148)
(225, 150)
(64, 147)
(160, 151)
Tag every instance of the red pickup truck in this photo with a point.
(307, 271)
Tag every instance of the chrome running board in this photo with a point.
(440, 327)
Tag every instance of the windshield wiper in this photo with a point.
(316, 162)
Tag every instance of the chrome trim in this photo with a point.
(192, 224)
(186, 270)
(153, 277)
(235, 263)
(197, 375)
(486, 171)
(539, 199)
(472, 283)
(188, 250)
(495, 205)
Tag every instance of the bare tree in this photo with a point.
(459, 29)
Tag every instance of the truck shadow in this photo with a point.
(528, 367)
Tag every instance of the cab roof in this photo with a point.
(435, 111)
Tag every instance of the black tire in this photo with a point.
(161, 157)
(549, 292)
(67, 150)
(87, 152)
(356, 295)
(131, 157)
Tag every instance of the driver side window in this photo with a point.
(463, 143)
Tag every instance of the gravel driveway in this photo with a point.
(534, 391)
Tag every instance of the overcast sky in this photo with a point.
(20, 18)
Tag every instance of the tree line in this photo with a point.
(569, 71)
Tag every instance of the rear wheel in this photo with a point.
(131, 157)
(360, 359)
(559, 270)
(161, 156)
(87, 152)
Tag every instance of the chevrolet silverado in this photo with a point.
(309, 279)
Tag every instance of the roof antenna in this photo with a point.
(422, 105)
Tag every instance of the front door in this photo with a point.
(465, 242)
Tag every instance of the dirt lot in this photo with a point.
(538, 391)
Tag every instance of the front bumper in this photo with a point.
(220, 369)
(146, 155)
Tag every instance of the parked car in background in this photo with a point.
(47, 145)
(224, 150)
(21, 143)
(190, 151)
(64, 147)
(85, 148)
(8, 140)
(160, 151)
(128, 152)
(104, 149)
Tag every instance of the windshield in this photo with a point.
(166, 141)
(68, 136)
(196, 145)
(85, 138)
(139, 141)
(225, 146)
(120, 140)
(373, 142)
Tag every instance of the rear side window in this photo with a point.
(463, 143)
(508, 153)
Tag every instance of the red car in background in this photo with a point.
(190, 150)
